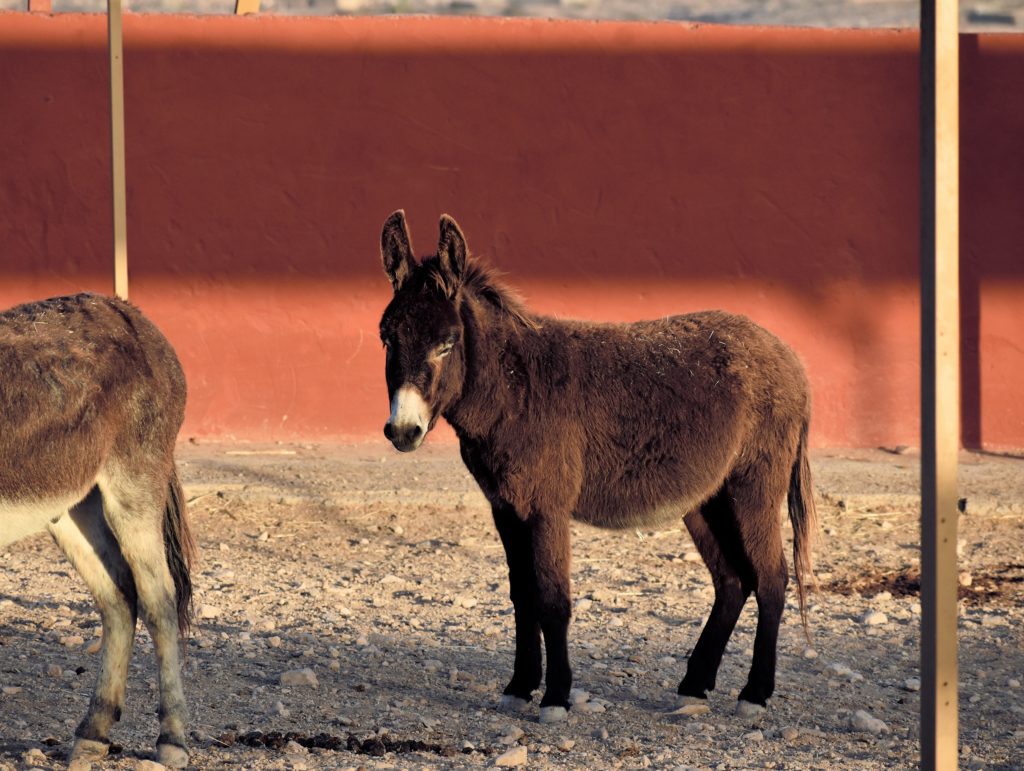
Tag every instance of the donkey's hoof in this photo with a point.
(510, 703)
(690, 705)
(553, 714)
(86, 752)
(171, 755)
(750, 711)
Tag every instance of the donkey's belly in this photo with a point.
(618, 512)
(19, 519)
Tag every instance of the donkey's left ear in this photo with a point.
(451, 251)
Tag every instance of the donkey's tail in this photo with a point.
(804, 518)
(180, 549)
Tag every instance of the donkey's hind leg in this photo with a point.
(135, 510)
(714, 532)
(83, 535)
(757, 499)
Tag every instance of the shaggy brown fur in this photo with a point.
(91, 398)
(702, 416)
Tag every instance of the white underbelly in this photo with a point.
(23, 518)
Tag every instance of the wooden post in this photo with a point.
(940, 380)
(246, 6)
(40, 6)
(114, 43)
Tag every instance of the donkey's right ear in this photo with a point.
(396, 249)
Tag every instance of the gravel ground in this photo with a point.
(382, 575)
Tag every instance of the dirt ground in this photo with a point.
(383, 575)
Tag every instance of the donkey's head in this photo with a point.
(421, 330)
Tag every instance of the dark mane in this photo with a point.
(484, 282)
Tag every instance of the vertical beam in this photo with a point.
(114, 43)
(940, 379)
(40, 6)
(246, 6)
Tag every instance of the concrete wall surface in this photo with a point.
(614, 170)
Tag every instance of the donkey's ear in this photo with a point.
(451, 251)
(396, 249)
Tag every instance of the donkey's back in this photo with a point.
(91, 399)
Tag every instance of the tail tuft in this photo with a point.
(804, 518)
(180, 549)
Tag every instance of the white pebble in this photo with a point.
(300, 677)
(209, 611)
(565, 744)
(513, 757)
(810, 653)
(789, 733)
(1013, 682)
(578, 696)
(753, 736)
(912, 684)
(864, 721)
(874, 618)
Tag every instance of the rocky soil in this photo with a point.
(353, 612)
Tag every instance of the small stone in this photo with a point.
(72, 641)
(789, 733)
(432, 665)
(294, 748)
(513, 757)
(279, 709)
(209, 611)
(274, 642)
(565, 744)
(583, 605)
(591, 707)
(510, 734)
(691, 556)
(965, 578)
(753, 736)
(912, 684)
(810, 653)
(600, 733)
(667, 661)
(10, 690)
(149, 765)
(300, 677)
(839, 670)
(54, 670)
(464, 601)
(864, 721)
(874, 618)
(578, 696)
(34, 757)
(1013, 682)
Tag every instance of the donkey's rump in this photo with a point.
(76, 374)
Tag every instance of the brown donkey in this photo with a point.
(91, 400)
(702, 416)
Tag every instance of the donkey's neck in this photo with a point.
(497, 345)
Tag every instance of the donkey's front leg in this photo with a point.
(516, 538)
(551, 563)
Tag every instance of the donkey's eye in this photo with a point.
(444, 349)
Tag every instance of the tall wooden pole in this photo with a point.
(114, 44)
(940, 379)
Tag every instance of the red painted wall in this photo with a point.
(614, 170)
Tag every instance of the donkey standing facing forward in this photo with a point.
(703, 416)
(91, 400)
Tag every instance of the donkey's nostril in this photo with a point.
(415, 432)
(389, 431)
